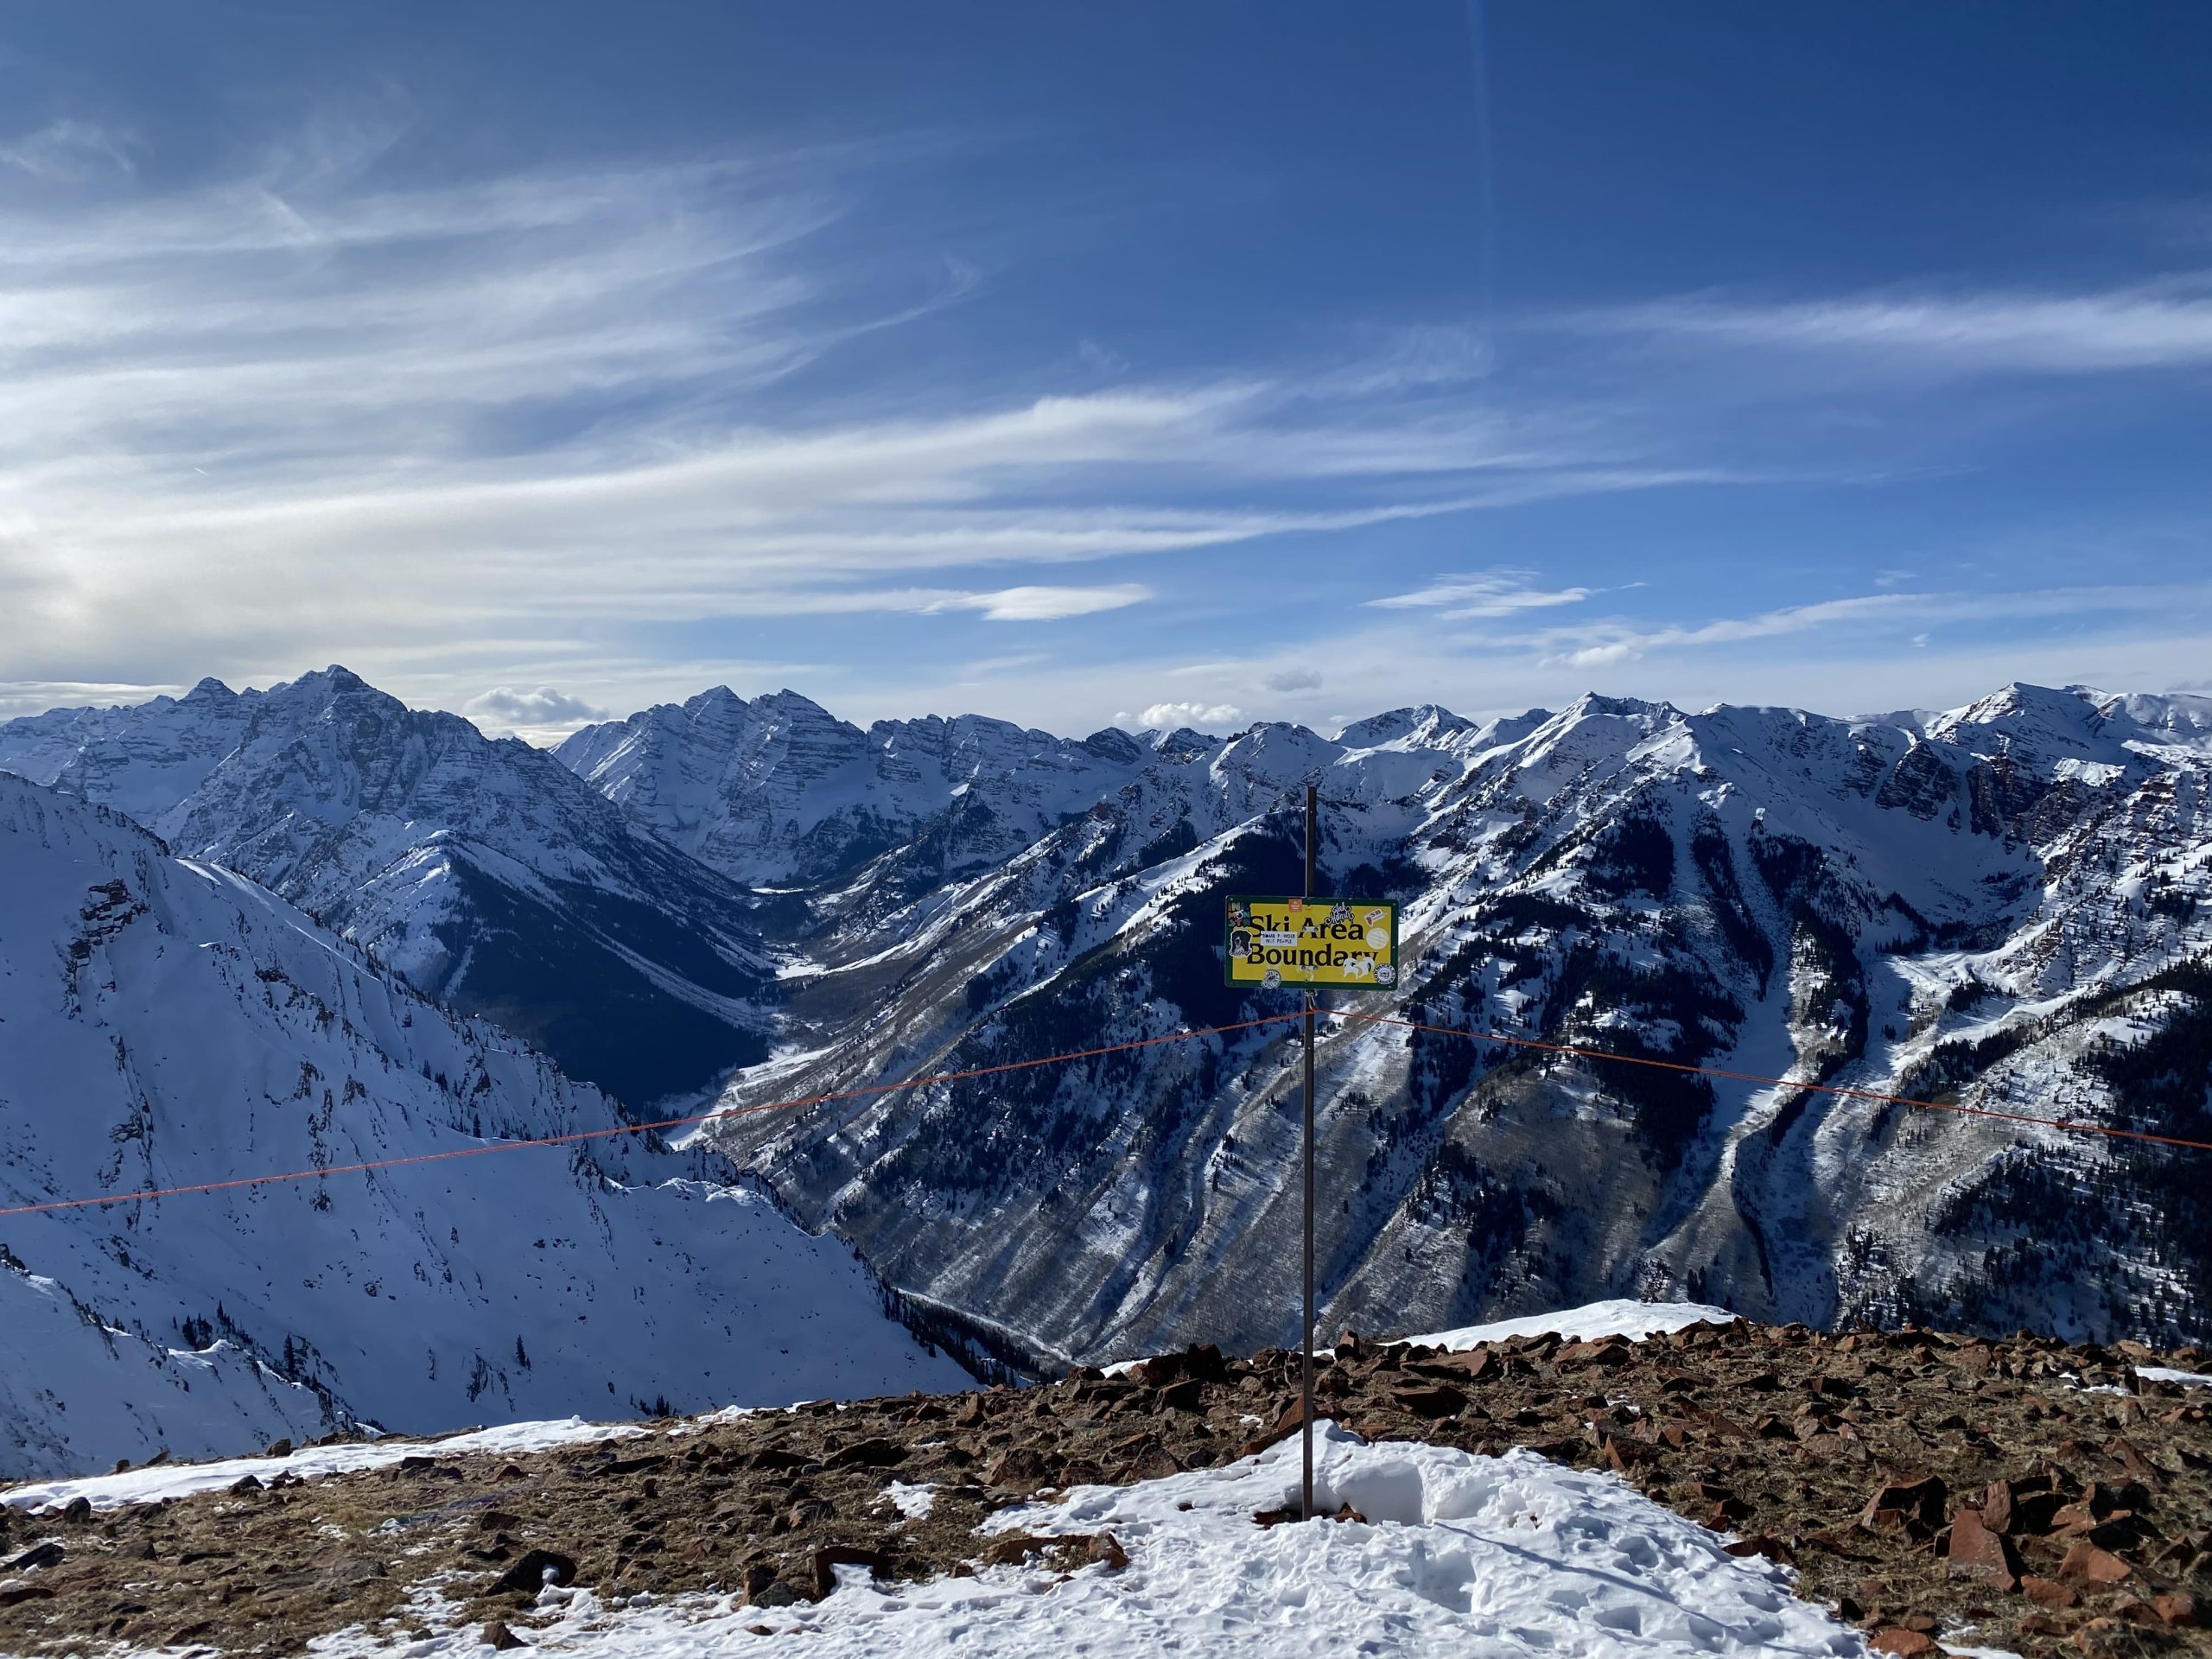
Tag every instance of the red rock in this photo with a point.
(1156, 1462)
(1974, 1549)
(1915, 1502)
(2048, 1592)
(1189, 1395)
(2086, 1563)
(1625, 1453)
(1763, 1543)
(2125, 1453)
(1443, 1400)
(2097, 1636)
(1607, 1351)
(2178, 1607)
(1906, 1643)
(1018, 1468)
(1477, 1366)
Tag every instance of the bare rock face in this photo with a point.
(778, 789)
(2005, 905)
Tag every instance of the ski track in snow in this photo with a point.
(1460, 1553)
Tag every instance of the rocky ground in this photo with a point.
(2024, 1494)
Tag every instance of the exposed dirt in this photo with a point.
(2021, 1494)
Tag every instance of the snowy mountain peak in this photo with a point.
(484, 871)
(1428, 725)
(779, 790)
(198, 1029)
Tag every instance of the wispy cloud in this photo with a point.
(251, 420)
(68, 151)
(1610, 643)
(2152, 326)
(1491, 593)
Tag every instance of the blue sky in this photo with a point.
(1111, 364)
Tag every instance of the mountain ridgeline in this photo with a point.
(484, 872)
(166, 1023)
(2007, 905)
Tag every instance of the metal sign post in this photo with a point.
(1305, 1328)
(1276, 942)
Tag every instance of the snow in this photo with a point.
(167, 1480)
(2167, 1374)
(199, 1030)
(1459, 1553)
(1635, 1320)
(1632, 1319)
(914, 1502)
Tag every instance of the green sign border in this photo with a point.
(1228, 970)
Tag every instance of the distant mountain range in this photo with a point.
(778, 790)
(2008, 904)
(484, 872)
(166, 1022)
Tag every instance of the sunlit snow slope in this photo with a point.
(484, 872)
(164, 1022)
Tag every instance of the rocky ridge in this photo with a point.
(778, 789)
(1935, 1489)
(2008, 905)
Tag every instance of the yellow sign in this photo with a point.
(1353, 943)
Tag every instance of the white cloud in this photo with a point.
(253, 422)
(1604, 643)
(1295, 679)
(1595, 657)
(1050, 604)
(2165, 325)
(1166, 717)
(34, 697)
(505, 705)
(68, 151)
(1492, 593)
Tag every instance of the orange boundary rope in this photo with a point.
(863, 1091)
(858, 1093)
(2071, 1125)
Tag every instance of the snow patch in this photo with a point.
(169, 1480)
(1635, 1320)
(1501, 1556)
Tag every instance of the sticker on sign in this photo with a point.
(1313, 941)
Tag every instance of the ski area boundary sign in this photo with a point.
(1351, 943)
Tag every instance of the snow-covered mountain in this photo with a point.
(778, 789)
(483, 871)
(2005, 904)
(165, 1022)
